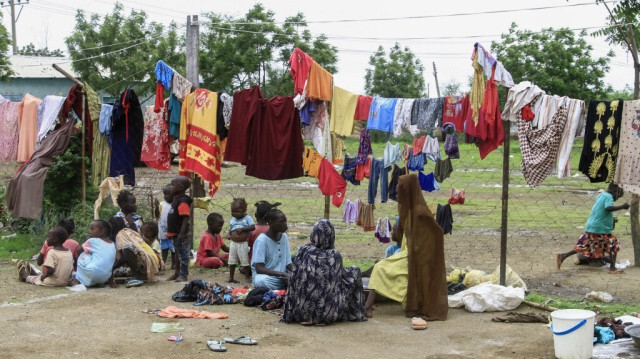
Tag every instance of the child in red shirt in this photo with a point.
(211, 243)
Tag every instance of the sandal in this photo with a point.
(22, 265)
(418, 323)
(243, 340)
(216, 346)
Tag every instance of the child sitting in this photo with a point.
(58, 265)
(396, 247)
(166, 244)
(211, 243)
(70, 244)
(149, 233)
(241, 225)
(96, 256)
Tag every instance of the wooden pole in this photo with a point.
(435, 75)
(14, 41)
(327, 207)
(193, 75)
(505, 200)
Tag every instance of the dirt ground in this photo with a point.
(57, 323)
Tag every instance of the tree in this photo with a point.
(451, 87)
(116, 51)
(558, 61)
(252, 50)
(30, 50)
(626, 94)
(5, 64)
(398, 75)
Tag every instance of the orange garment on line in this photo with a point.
(175, 312)
(418, 144)
(319, 83)
(28, 127)
(363, 171)
(311, 162)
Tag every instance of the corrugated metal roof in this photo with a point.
(39, 66)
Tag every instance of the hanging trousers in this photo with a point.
(378, 173)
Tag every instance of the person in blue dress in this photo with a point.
(271, 260)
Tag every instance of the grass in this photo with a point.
(22, 246)
(603, 309)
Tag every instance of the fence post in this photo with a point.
(327, 207)
(193, 75)
(505, 199)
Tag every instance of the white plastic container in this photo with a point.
(573, 333)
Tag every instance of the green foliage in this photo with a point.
(5, 64)
(143, 43)
(625, 13)
(30, 50)
(451, 88)
(603, 309)
(252, 50)
(557, 60)
(63, 185)
(626, 94)
(398, 75)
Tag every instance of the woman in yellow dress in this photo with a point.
(416, 276)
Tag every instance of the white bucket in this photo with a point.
(573, 333)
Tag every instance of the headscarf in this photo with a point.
(323, 235)
(427, 284)
(127, 238)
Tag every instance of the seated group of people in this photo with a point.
(320, 290)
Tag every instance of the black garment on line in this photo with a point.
(444, 217)
(443, 169)
(395, 177)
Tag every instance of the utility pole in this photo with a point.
(14, 42)
(193, 75)
(435, 75)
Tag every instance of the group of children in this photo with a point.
(65, 262)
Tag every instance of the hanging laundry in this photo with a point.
(502, 76)
(378, 173)
(164, 78)
(363, 170)
(300, 64)
(343, 109)
(381, 114)
(227, 108)
(544, 109)
(392, 154)
(451, 142)
(540, 147)
(444, 217)
(180, 86)
(327, 145)
(364, 150)
(126, 137)
(395, 177)
(311, 161)
(155, 146)
(456, 196)
(454, 111)
(349, 170)
(74, 102)
(418, 144)
(221, 130)
(9, 130)
(175, 111)
(628, 164)
(431, 148)
(315, 134)
(415, 162)
(362, 108)
(306, 112)
(337, 149)
(365, 216)
(101, 155)
(600, 151)
(428, 182)
(331, 183)
(319, 84)
(28, 127)
(247, 107)
(443, 169)
(106, 111)
(383, 230)
(426, 113)
(476, 97)
(275, 147)
(402, 118)
(26, 188)
(350, 214)
(48, 111)
(519, 96)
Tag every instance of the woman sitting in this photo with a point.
(271, 261)
(134, 257)
(321, 290)
(416, 276)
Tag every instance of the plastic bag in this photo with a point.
(487, 297)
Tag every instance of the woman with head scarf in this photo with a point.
(320, 290)
(416, 276)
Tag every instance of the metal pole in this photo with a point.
(505, 200)
(193, 75)
(14, 42)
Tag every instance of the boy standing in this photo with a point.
(178, 226)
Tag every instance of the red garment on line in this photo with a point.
(454, 111)
(362, 108)
(159, 98)
(155, 144)
(300, 66)
(527, 114)
(331, 183)
(363, 171)
(247, 106)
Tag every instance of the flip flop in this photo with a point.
(418, 323)
(617, 271)
(216, 346)
(134, 283)
(243, 340)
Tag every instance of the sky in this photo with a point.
(48, 22)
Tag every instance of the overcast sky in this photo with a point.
(48, 22)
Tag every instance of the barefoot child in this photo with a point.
(166, 244)
(149, 234)
(70, 244)
(178, 226)
(241, 225)
(58, 265)
(597, 238)
(211, 243)
(96, 256)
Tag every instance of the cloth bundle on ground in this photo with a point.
(514, 317)
(487, 297)
(320, 289)
(616, 325)
(473, 277)
(255, 296)
(205, 293)
(175, 312)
